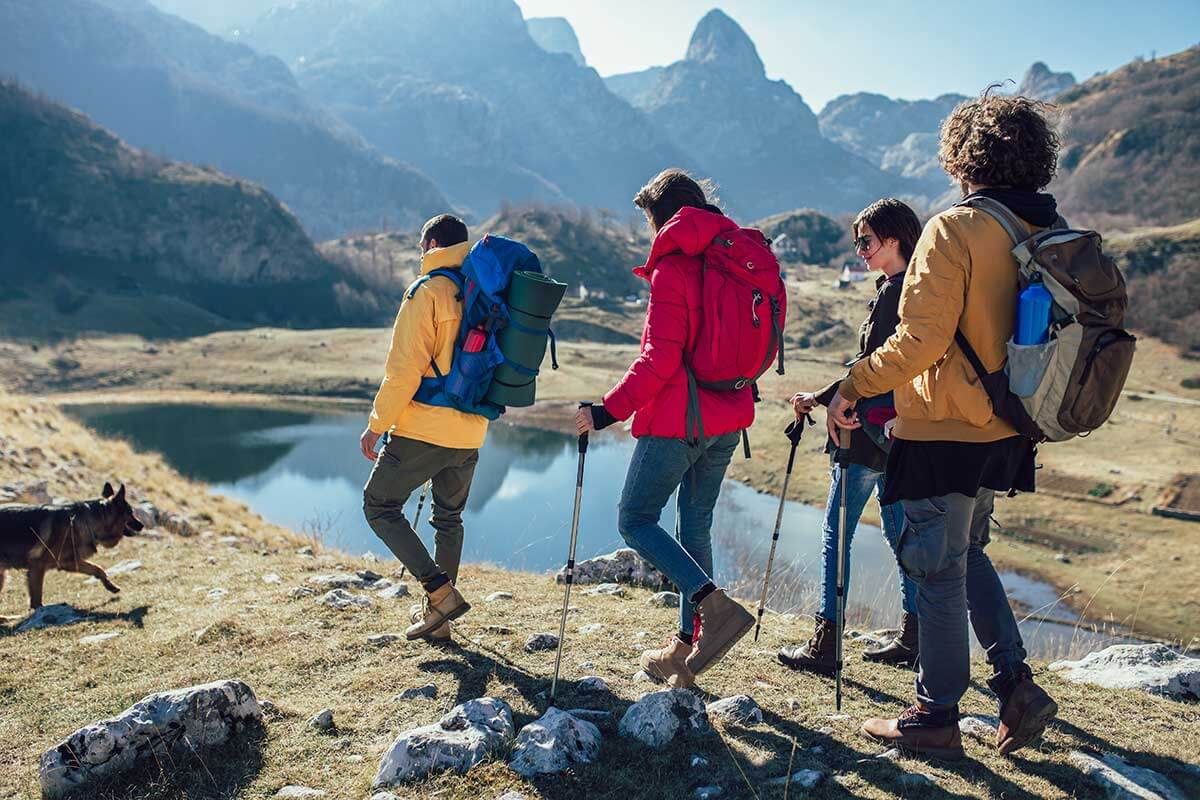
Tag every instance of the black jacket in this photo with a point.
(876, 329)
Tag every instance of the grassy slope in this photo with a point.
(304, 658)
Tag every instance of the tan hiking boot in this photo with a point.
(919, 730)
(723, 622)
(442, 634)
(1025, 711)
(438, 608)
(669, 664)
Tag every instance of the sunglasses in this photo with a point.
(863, 243)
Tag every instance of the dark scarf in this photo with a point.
(1037, 208)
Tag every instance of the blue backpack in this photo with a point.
(482, 283)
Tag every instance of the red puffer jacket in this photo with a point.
(654, 389)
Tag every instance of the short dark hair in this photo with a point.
(671, 190)
(997, 140)
(890, 218)
(446, 229)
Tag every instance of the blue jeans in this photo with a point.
(860, 481)
(657, 468)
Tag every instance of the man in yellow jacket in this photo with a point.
(425, 442)
(951, 452)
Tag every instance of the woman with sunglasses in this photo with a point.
(885, 234)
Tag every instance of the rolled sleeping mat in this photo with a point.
(532, 300)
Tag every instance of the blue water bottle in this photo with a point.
(1033, 315)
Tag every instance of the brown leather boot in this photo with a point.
(919, 730)
(723, 622)
(818, 655)
(901, 651)
(670, 664)
(1025, 710)
(440, 606)
(442, 634)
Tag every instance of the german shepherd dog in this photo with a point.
(41, 538)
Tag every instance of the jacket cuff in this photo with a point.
(614, 404)
(847, 391)
(601, 418)
(825, 396)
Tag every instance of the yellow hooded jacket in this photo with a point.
(426, 327)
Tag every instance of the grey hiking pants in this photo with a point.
(402, 467)
(941, 549)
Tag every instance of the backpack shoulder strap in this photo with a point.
(453, 274)
(1001, 213)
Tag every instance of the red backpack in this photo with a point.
(743, 309)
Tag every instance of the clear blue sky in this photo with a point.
(901, 49)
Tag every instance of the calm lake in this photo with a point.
(303, 470)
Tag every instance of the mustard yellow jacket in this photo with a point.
(426, 327)
(962, 275)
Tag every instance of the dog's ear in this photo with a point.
(107, 491)
(120, 493)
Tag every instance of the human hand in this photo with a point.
(367, 442)
(584, 422)
(803, 403)
(840, 416)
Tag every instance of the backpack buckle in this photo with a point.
(741, 383)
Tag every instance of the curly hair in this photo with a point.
(996, 140)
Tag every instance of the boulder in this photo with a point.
(592, 715)
(664, 600)
(554, 743)
(621, 566)
(610, 589)
(661, 717)
(740, 709)
(1153, 668)
(1120, 780)
(160, 728)
(541, 641)
(341, 600)
(467, 735)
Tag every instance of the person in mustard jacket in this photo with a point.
(424, 442)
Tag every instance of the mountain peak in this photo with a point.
(719, 40)
(1041, 83)
(555, 35)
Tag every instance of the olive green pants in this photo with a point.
(402, 467)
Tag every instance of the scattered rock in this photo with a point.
(794, 705)
(369, 577)
(305, 551)
(496, 597)
(498, 630)
(177, 524)
(641, 676)
(297, 793)
(301, 592)
(621, 566)
(122, 567)
(426, 692)
(1062, 558)
(587, 666)
(199, 718)
(982, 727)
(740, 709)
(271, 577)
(216, 593)
(660, 717)
(554, 743)
(612, 589)
(230, 540)
(509, 795)
(698, 762)
(592, 683)
(664, 600)
(1121, 780)
(341, 600)
(97, 638)
(594, 716)
(269, 708)
(804, 779)
(707, 792)
(891, 754)
(1153, 668)
(467, 735)
(147, 514)
(370, 557)
(323, 721)
(591, 628)
(382, 639)
(50, 617)
(393, 591)
(33, 492)
(541, 641)
(338, 580)
(915, 780)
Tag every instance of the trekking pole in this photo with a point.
(843, 452)
(794, 431)
(570, 572)
(417, 518)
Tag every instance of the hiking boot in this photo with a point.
(441, 634)
(1025, 709)
(722, 622)
(901, 651)
(919, 730)
(818, 655)
(439, 607)
(669, 664)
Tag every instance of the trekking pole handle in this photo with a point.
(843, 438)
(583, 437)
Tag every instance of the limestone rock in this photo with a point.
(301, 592)
(381, 639)
(147, 514)
(341, 600)
(591, 628)
(496, 597)
(467, 735)
(982, 727)
(707, 792)
(161, 727)
(592, 683)
(498, 630)
(50, 617)
(1120, 780)
(661, 717)
(541, 641)
(323, 721)
(611, 589)
(664, 600)
(592, 715)
(98, 638)
(338, 580)
(623, 566)
(804, 779)
(1153, 668)
(297, 793)
(272, 578)
(426, 692)
(915, 780)
(740, 709)
(698, 762)
(393, 591)
(554, 743)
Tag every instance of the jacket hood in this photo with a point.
(689, 232)
(1037, 208)
(443, 257)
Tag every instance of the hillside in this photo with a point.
(555, 35)
(99, 236)
(170, 88)
(1162, 266)
(807, 236)
(1131, 146)
(506, 122)
(755, 137)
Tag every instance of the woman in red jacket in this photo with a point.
(654, 391)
